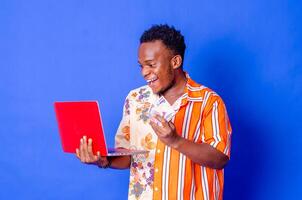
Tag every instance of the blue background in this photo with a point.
(250, 52)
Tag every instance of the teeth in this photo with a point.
(151, 80)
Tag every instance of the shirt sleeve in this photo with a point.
(122, 137)
(216, 125)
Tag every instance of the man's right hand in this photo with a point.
(85, 154)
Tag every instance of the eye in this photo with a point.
(151, 65)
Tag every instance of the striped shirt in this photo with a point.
(165, 173)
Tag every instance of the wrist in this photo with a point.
(104, 165)
(177, 141)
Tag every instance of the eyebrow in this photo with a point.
(146, 61)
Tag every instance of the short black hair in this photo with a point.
(171, 37)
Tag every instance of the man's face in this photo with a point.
(155, 61)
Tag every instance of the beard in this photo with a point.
(171, 77)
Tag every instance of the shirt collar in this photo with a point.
(193, 91)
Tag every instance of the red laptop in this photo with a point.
(79, 118)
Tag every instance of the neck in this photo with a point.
(178, 88)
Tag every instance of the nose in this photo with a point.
(145, 71)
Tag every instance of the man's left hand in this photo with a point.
(165, 130)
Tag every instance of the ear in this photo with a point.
(176, 61)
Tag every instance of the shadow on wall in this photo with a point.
(231, 70)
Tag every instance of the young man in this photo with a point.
(186, 154)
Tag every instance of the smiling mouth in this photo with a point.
(151, 81)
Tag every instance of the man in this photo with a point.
(187, 154)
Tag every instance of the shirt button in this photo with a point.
(156, 169)
(156, 189)
(158, 150)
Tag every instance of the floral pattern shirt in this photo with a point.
(136, 121)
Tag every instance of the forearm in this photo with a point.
(120, 162)
(202, 154)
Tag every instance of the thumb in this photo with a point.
(98, 155)
(172, 126)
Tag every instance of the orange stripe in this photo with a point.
(173, 176)
(179, 119)
(158, 164)
(198, 184)
(174, 160)
(193, 83)
(194, 94)
(188, 180)
(221, 180)
(208, 133)
(195, 116)
(210, 176)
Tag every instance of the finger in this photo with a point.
(162, 120)
(78, 153)
(153, 125)
(90, 152)
(158, 117)
(163, 128)
(82, 154)
(156, 128)
(156, 121)
(171, 125)
(86, 155)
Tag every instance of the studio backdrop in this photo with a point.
(249, 52)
